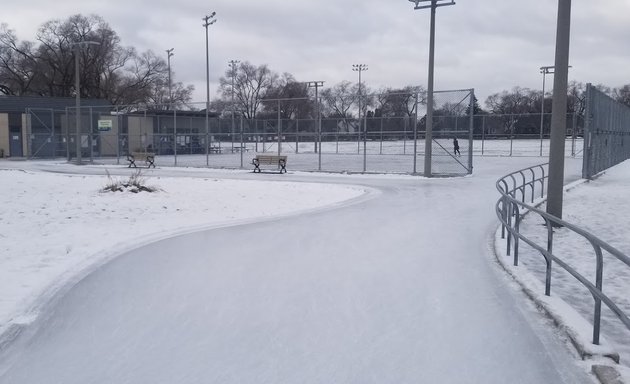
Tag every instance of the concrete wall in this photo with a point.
(4, 134)
(140, 132)
(25, 135)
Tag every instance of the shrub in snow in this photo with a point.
(135, 184)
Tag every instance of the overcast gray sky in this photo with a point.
(490, 45)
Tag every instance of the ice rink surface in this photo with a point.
(399, 288)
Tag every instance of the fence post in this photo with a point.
(586, 158)
(549, 260)
(91, 142)
(483, 133)
(68, 135)
(471, 130)
(175, 135)
(517, 224)
(415, 137)
(599, 277)
(574, 136)
(242, 142)
(381, 147)
(511, 136)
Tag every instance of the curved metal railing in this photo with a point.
(518, 187)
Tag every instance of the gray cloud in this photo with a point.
(489, 45)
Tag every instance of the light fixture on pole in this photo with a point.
(233, 64)
(208, 20)
(360, 68)
(169, 54)
(546, 70)
(318, 146)
(434, 4)
(77, 90)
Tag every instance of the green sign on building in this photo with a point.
(104, 125)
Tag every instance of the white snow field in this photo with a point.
(213, 281)
(600, 206)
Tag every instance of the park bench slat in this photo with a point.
(279, 160)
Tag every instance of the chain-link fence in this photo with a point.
(523, 134)
(607, 133)
(192, 137)
(452, 133)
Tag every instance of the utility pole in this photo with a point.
(233, 64)
(360, 68)
(316, 85)
(546, 70)
(169, 54)
(428, 150)
(208, 20)
(559, 111)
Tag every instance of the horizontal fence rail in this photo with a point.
(520, 189)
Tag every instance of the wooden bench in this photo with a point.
(147, 157)
(278, 160)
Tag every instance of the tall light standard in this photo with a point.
(559, 110)
(360, 68)
(429, 130)
(77, 90)
(169, 54)
(233, 64)
(208, 20)
(546, 70)
(318, 146)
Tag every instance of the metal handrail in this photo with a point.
(511, 210)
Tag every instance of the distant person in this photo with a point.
(456, 147)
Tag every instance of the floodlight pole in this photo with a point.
(429, 129)
(169, 54)
(233, 64)
(318, 146)
(77, 90)
(360, 68)
(546, 70)
(208, 20)
(559, 111)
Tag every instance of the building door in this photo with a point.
(15, 142)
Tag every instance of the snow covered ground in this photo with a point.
(601, 207)
(55, 227)
(401, 294)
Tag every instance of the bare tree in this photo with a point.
(292, 97)
(251, 84)
(512, 105)
(17, 65)
(338, 100)
(108, 70)
(622, 94)
(400, 101)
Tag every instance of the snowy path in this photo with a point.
(397, 289)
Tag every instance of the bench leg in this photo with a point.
(150, 161)
(283, 166)
(132, 163)
(256, 165)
